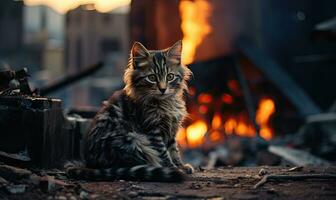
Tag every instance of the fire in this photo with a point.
(264, 112)
(195, 133)
(216, 121)
(219, 128)
(195, 27)
(203, 109)
(239, 127)
(226, 98)
(215, 136)
(181, 137)
(204, 98)
(230, 125)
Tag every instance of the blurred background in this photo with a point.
(262, 68)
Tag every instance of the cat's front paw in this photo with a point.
(188, 169)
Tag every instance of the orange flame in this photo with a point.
(194, 26)
(182, 138)
(264, 112)
(194, 135)
(230, 125)
(216, 136)
(216, 121)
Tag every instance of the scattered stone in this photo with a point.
(120, 189)
(136, 187)
(133, 194)
(271, 191)
(84, 195)
(201, 168)
(72, 198)
(195, 186)
(61, 198)
(262, 172)
(16, 189)
(47, 183)
(34, 179)
(295, 169)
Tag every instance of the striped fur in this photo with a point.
(133, 136)
(139, 172)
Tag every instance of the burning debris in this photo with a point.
(218, 127)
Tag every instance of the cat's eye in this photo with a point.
(151, 78)
(170, 77)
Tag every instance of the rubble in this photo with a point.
(295, 169)
(16, 189)
(217, 183)
(262, 172)
(297, 157)
(13, 173)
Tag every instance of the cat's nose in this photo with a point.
(162, 90)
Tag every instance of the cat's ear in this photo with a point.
(139, 51)
(175, 51)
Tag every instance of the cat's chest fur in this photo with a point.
(163, 117)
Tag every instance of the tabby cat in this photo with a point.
(133, 135)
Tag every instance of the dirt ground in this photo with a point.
(220, 183)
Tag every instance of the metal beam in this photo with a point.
(280, 78)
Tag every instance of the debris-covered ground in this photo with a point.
(220, 183)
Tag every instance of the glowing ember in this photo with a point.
(226, 98)
(216, 121)
(216, 136)
(195, 133)
(230, 125)
(203, 109)
(266, 133)
(194, 26)
(244, 129)
(264, 112)
(204, 98)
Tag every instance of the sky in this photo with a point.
(63, 6)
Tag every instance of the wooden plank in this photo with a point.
(36, 126)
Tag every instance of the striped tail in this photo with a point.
(140, 173)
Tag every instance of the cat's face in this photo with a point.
(157, 74)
